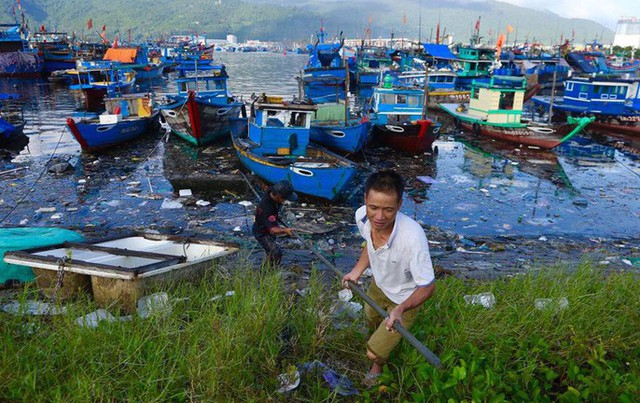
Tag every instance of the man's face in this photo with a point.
(382, 209)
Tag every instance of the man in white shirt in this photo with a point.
(398, 253)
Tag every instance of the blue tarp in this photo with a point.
(438, 51)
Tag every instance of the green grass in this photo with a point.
(235, 348)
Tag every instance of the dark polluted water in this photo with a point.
(469, 186)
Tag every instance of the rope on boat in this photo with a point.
(422, 349)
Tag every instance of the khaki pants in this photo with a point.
(383, 341)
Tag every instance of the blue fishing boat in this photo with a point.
(371, 61)
(325, 73)
(330, 129)
(97, 79)
(613, 101)
(17, 59)
(399, 118)
(127, 117)
(274, 144)
(202, 108)
(137, 58)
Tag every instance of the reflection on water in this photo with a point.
(471, 186)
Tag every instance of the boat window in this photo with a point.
(584, 88)
(413, 100)
(569, 86)
(387, 99)
(475, 93)
(401, 99)
(398, 119)
(506, 100)
(297, 119)
(621, 90)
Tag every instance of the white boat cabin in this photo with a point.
(498, 100)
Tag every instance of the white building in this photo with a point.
(627, 32)
(232, 39)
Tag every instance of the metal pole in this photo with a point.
(422, 349)
(553, 94)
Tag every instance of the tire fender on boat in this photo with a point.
(476, 129)
(395, 129)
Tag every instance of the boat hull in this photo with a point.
(531, 134)
(200, 122)
(320, 174)
(411, 137)
(348, 139)
(94, 136)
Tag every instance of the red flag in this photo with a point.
(404, 18)
(42, 28)
(478, 24)
(438, 33)
(104, 28)
(90, 23)
(115, 42)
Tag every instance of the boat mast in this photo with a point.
(346, 93)
(553, 94)
(426, 91)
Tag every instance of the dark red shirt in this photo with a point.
(266, 215)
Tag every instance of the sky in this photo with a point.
(606, 12)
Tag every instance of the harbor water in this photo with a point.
(470, 186)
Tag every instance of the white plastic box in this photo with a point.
(107, 119)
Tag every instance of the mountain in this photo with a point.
(297, 20)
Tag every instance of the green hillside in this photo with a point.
(296, 21)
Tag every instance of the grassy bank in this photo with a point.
(234, 348)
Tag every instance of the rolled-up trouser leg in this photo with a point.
(383, 341)
(271, 248)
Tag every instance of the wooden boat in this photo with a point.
(21, 238)
(119, 271)
(613, 101)
(17, 59)
(325, 74)
(137, 58)
(97, 79)
(399, 121)
(328, 128)
(202, 109)
(495, 110)
(274, 144)
(127, 117)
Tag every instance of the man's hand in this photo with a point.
(394, 315)
(351, 276)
